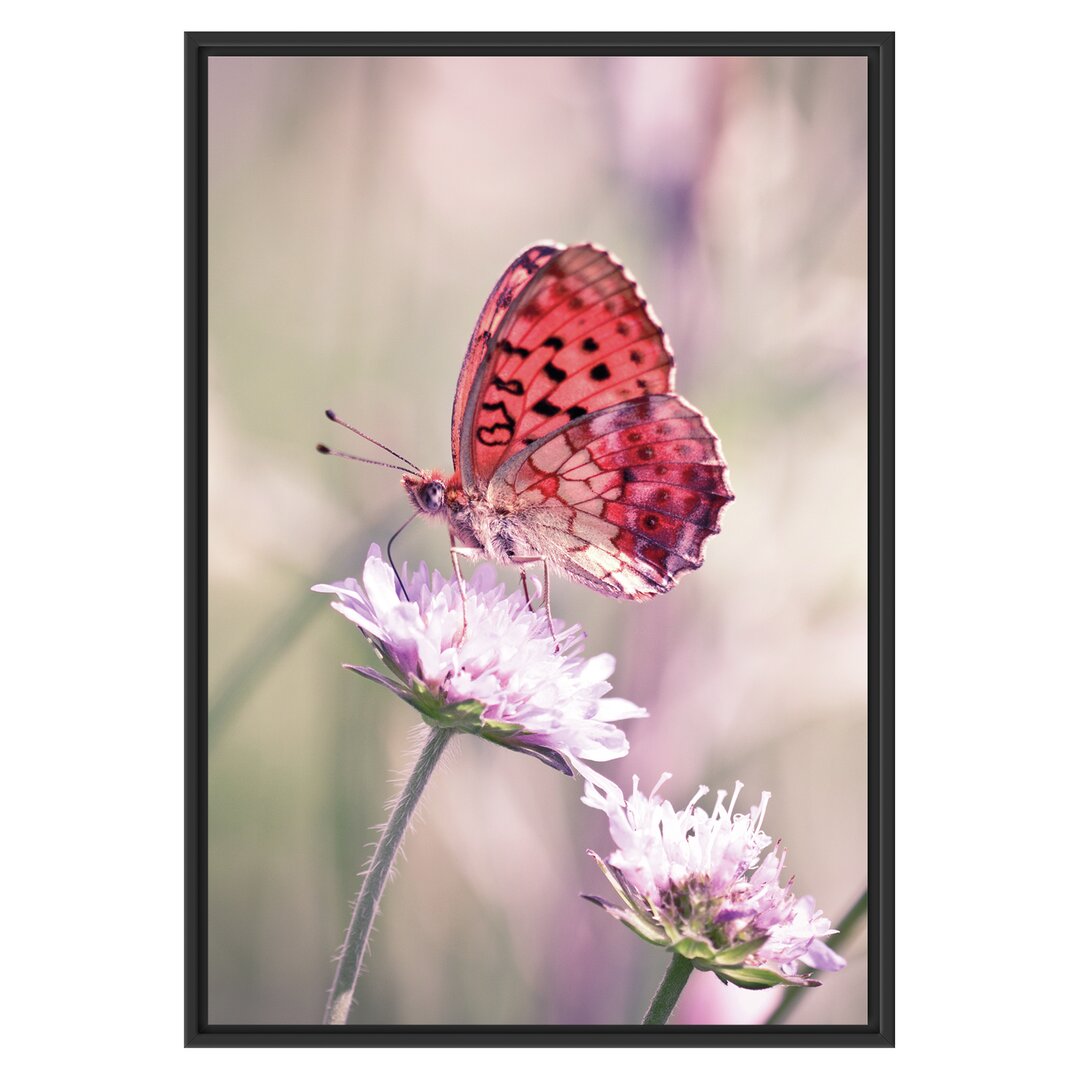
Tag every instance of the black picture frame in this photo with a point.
(879, 49)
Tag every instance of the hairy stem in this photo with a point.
(667, 993)
(367, 901)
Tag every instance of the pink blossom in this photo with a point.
(696, 883)
(502, 679)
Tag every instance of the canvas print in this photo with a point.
(537, 496)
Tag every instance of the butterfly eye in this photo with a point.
(432, 496)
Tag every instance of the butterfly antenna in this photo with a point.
(331, 415)
(390, 558)
(352, 457)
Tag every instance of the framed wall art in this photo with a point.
(564, 715)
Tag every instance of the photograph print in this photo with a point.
(539, 490)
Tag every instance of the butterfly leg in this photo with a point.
(521, 561)
(547, 604)
(525, 589)
(528, 560)
(455, 555)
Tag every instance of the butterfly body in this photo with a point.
(570, 445)
(503, 531)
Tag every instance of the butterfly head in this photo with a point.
(427, 490)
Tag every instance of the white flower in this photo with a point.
(696, 883)
(502, 679)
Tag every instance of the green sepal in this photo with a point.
(614, 881)
(632, 919)
(464, 715)
(700, 953)
(760, 978)
(674, 934)
(497, 730)
(461, 716)
(738, 953)
(644, 930)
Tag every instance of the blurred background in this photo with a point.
(360, 210)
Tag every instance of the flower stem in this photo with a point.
(367, 901)
(667, 993)
(844, 930)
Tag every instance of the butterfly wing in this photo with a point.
(507, 289)
(623, 499)
(573, 335)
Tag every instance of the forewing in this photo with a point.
(579, 337)
(624, 499)
(508, 288)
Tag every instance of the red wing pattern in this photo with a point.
(516, 276)
(579, 337)
(625, 499)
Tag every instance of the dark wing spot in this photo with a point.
(499, 433)
(628, 475)
(498, 407)
(622, 329)
(496, 435)
(509, 386)
(505, 297)
(650, 521)
(646, 453)
(575, 303)
(528, 442)
(642, 384)
(635, 356)
(512, 350)
(589, 345)
(553, 372)
(545, 408)
(555, 343)
(575, 411)
(600, 373)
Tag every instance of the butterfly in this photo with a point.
(570, 446)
